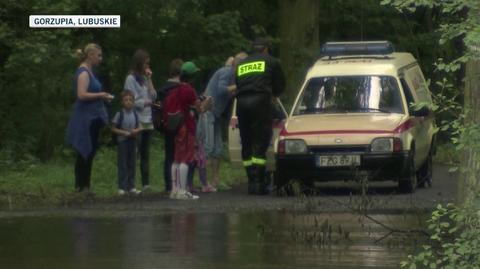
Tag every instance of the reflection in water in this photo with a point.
(247, 240)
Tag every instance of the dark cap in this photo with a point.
(260, 42)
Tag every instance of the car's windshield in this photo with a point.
(362, 94)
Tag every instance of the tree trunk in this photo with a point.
(468, 183)
(299, 42)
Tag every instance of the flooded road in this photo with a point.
(208, 240)
(227, 229)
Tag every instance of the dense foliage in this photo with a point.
(455, 230)
(454, 240)
(37, 65)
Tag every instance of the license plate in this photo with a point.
(338, 160)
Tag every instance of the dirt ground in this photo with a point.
(382, 197)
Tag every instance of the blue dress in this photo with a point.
(84, 114)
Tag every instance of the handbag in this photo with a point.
(174, 121)
(157, 117)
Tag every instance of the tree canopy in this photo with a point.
(37, 65)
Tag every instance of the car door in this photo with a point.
(426, 122)
(235, 143)
(418, 131)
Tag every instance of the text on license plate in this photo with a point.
(338, 160)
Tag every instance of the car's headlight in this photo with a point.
(292, 146)
(386, 144)
(382, 145)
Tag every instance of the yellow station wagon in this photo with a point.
(362, 111)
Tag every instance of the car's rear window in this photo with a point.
(342, 94)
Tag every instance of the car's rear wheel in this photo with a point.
(424, 174)
(408, 183)
(308, 187)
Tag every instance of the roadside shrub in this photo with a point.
(454, 240)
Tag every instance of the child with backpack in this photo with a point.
(125, 125)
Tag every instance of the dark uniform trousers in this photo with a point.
(254, 112)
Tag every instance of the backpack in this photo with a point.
(157, 118)
(114, 140)
(120, 120)
(173, 114)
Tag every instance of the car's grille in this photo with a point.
(338, 149)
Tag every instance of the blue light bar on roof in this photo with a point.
(332, 49)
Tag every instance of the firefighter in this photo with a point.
(260, 80)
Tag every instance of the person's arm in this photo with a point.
(192, 99)
(232, 89)
(120, 132)
(82, 89)
(150, 87)
(116, 130)
(223, 81)
(197, 105)
(130, 84)
(204, 105)
(136, 131)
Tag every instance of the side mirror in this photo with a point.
(424, 111)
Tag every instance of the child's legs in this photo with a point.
(169, 156)
(202, 174)
(183, 172)
(191, 174)
(184, 153)
(202, 165)
(175, 177)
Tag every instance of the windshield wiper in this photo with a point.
(319, 110)
(375, 109)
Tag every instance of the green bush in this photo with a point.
(454, 240)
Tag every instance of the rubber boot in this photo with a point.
(261, 182)
(251, 179)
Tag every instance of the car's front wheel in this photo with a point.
(408, 183)
(287, 186)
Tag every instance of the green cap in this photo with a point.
(189, 68)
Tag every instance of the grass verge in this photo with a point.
(52, 184)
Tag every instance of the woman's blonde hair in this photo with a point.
(83, 54)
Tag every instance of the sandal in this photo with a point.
(208, 189)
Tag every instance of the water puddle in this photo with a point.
(239, 240)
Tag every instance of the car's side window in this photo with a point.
(421, 88)
(407, 92)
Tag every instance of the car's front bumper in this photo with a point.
(376, 166)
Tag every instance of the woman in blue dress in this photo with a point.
(89, 114)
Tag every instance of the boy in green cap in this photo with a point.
(182, 99)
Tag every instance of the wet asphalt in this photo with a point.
(330, 197)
